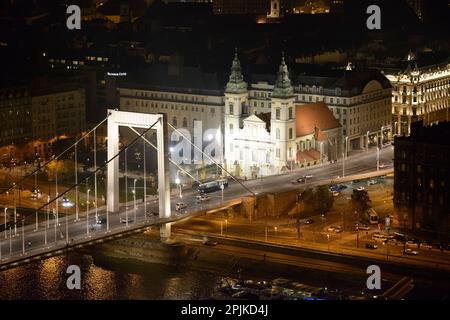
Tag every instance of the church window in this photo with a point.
(174, 121)
(231, 108)
(184, 122)
(278, 153)
(231, 128)
(290, 133)
(290, 113)
(277, 113)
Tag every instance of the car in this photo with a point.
(301, 180)
(411, 252)
(126, 219)
(370, 245)
(180, 206)
(202, 197)
(210, 243)
(382, 166)
(331, 228)
(101, 221)
(426, 245)
(379, 237)
(371, 182)
(308, 176)
(66, 203)
(342, 187)
(360, 226)
(309, 221)
(412, 244)
(338, 229)
(335, 193)
(360, 188)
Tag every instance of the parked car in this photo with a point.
(301, 180)
(331, 228)
(411, 252)
(101, 221)
(202, 197)
(412, 244)
(371, 182)
(370, 245)
(309, 221)
(360, 226)
(382, 166)
(360, 188)
(426, 245)
(180, 206)
(338, 229)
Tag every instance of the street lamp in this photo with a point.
(5, 223)
(15, 210)
(343, 165)
(346, 147)
(87, 212)
(378, 159)
(328, 238)
(367, 141)
(178, 182)
(134, 198)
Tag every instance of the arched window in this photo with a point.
(231, 128)
(174, 121)
(277, 133)
(184, 122)
(290, 133)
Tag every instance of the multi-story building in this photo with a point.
(15, 113)
(192, 100)
(360, 100)
(421, 179)
(420, 93)
(35, 118)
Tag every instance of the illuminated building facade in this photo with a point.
(420, 94)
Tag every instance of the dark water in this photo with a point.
(104, 280)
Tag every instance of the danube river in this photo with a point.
(104, 280)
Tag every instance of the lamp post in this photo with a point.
(6, 236)
(87, 213)
(381, 136)
(346, 147)
(328, 238)
(367, 141)
(378, 159)
(178, 182)
(134, 198)
(15, 210)
(343, 165)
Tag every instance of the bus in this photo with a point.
(212, 186)
(372, 216)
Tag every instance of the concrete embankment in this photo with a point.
(224, 261)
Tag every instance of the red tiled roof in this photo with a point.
(315, 118)
(308, 155)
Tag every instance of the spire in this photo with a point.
(283, 87)
(236, 84)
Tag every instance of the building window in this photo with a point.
(277, 153)
(231, 128)
(184, 122)
(290, 113)
(277, 113)
(277, 133)
(231, 108)
(290, 133)
(431, 183)
(174, 121)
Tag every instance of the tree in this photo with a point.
(323, 199)
(361, 201)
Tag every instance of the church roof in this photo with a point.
(314, 118)
(236, 84)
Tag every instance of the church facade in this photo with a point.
(289, 136)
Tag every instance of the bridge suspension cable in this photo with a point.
(99, 168)
(212, 159)
(53, 158)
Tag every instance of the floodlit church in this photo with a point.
(290, 136)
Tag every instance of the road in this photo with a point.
(35, 241)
